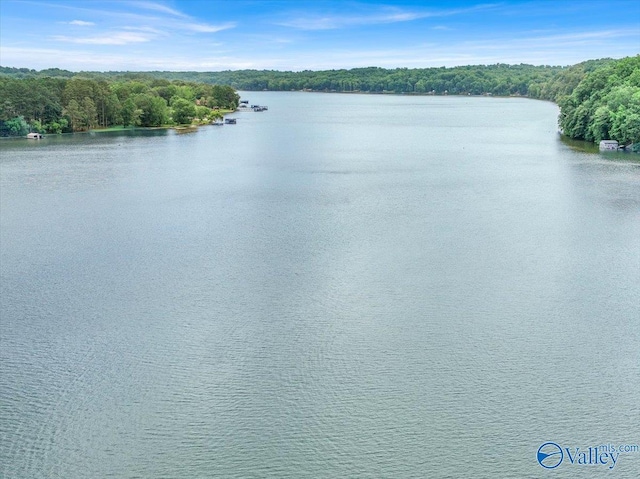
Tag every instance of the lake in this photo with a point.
(341, 286)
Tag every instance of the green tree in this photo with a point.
(36, 126)
(205, 113)
(601, 123)
(183, 110)
(605, 104)
(57, 127)
(130, 113)
(17, 126)
(625, 126)
(89, 113)
(154, 110)
(225, 97)
(77, 89)
(74, 112)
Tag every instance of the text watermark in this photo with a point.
(551, 455)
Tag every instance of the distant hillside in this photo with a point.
(498, 79)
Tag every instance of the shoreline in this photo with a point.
(393, 93)
(116, 129)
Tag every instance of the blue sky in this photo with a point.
(212, 35)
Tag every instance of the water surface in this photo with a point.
(342, 286)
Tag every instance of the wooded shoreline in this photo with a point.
(598, 99)
(59, 105)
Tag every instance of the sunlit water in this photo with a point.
(342, 286)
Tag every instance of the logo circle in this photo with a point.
(550, 455)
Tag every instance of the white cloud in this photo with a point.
(332, 22)
(388, 15)
(152, 30)
(84, 59)
(42, 58)
(597, 38)
(81, 23)
(158, 7)
(165, 17)
(550, 49)
(204, 28)
(110, 38)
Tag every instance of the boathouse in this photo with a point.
(609, 145)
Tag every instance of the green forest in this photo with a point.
(47, 104)
(599, 99)
(605, 104)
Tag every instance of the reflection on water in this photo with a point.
(590, 147)
(580, 145)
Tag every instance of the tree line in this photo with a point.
(46, 104)
(500, 79)
(598, 98)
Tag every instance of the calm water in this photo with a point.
(343, 286)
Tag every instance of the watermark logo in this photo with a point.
(550, 455)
